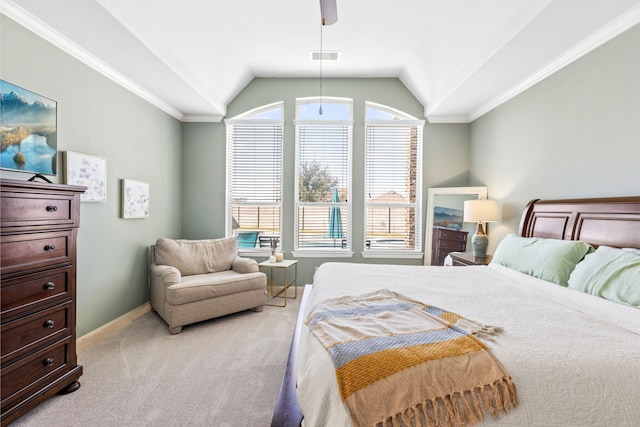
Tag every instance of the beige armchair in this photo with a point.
(195, 280)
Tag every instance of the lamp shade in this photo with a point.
(480, 210)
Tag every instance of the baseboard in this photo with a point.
(97, 335)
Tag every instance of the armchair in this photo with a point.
(195, 280)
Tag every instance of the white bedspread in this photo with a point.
(575, 358)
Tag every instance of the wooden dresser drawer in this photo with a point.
(30, 332)
(19, 210)
(20, 252)
(451, 245)
(32, 370)
(34, 290)
(453, 235)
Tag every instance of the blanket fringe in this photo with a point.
(459, 409)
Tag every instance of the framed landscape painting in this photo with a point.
(447, 217)
(28, 131)
(135, 199)
(89, 171)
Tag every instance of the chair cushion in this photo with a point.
(196, 256)
(214, 285)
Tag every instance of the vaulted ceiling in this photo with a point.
(459, 58)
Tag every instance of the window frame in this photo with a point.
(400, 119)
(245, 119)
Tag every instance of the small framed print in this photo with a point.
(88, 171)
(135, 199)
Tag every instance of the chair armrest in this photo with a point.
(165, 275)
(244, 265)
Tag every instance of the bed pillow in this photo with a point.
(609, 273)
(552, 260)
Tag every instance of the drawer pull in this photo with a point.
(49, 285)
(49, 248)
(48, 361)
(49, 324)
(52, 208)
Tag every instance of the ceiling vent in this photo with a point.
(325, 55)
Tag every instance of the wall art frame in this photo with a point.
(28, 131)
(135, 199)
(89, 171)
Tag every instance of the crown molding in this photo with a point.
(434, 118)
(202, 118)
(35, 25)
(597, 39)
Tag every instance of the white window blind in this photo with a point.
(254, 174)
(393, 195)
(323, 159)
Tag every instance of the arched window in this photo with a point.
(254, 177)
(393, 177)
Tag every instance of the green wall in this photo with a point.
(575, 134)
(203, 178)
(98, 117)
(446, 156)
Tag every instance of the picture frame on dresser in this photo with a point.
(89, 171)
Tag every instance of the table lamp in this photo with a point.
(480, 211)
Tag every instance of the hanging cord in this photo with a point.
(321, 25)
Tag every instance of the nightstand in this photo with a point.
(467, 258)
(286, 283)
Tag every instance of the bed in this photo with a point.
(575, 357)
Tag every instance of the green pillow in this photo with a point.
(552, 260)
(609, 273)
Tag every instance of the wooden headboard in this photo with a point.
(613, 221)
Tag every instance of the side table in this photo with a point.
(272, 282)
(467, 258)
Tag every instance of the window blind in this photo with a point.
(392, 185)
(254, 164)
(323, 163)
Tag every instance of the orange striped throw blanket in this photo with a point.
(403, 363)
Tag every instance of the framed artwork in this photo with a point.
(135, 199)
(447, 217)
(28, 131)
(90, 171)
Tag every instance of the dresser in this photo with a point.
(445, 240)
(38, 293)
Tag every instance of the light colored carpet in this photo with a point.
(222, 372)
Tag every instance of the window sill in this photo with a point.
(392, 254)
(322, 254)
(251, 253)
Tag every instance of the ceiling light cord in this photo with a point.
(321, 26)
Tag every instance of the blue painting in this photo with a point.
(28, 131)
(447, 218)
